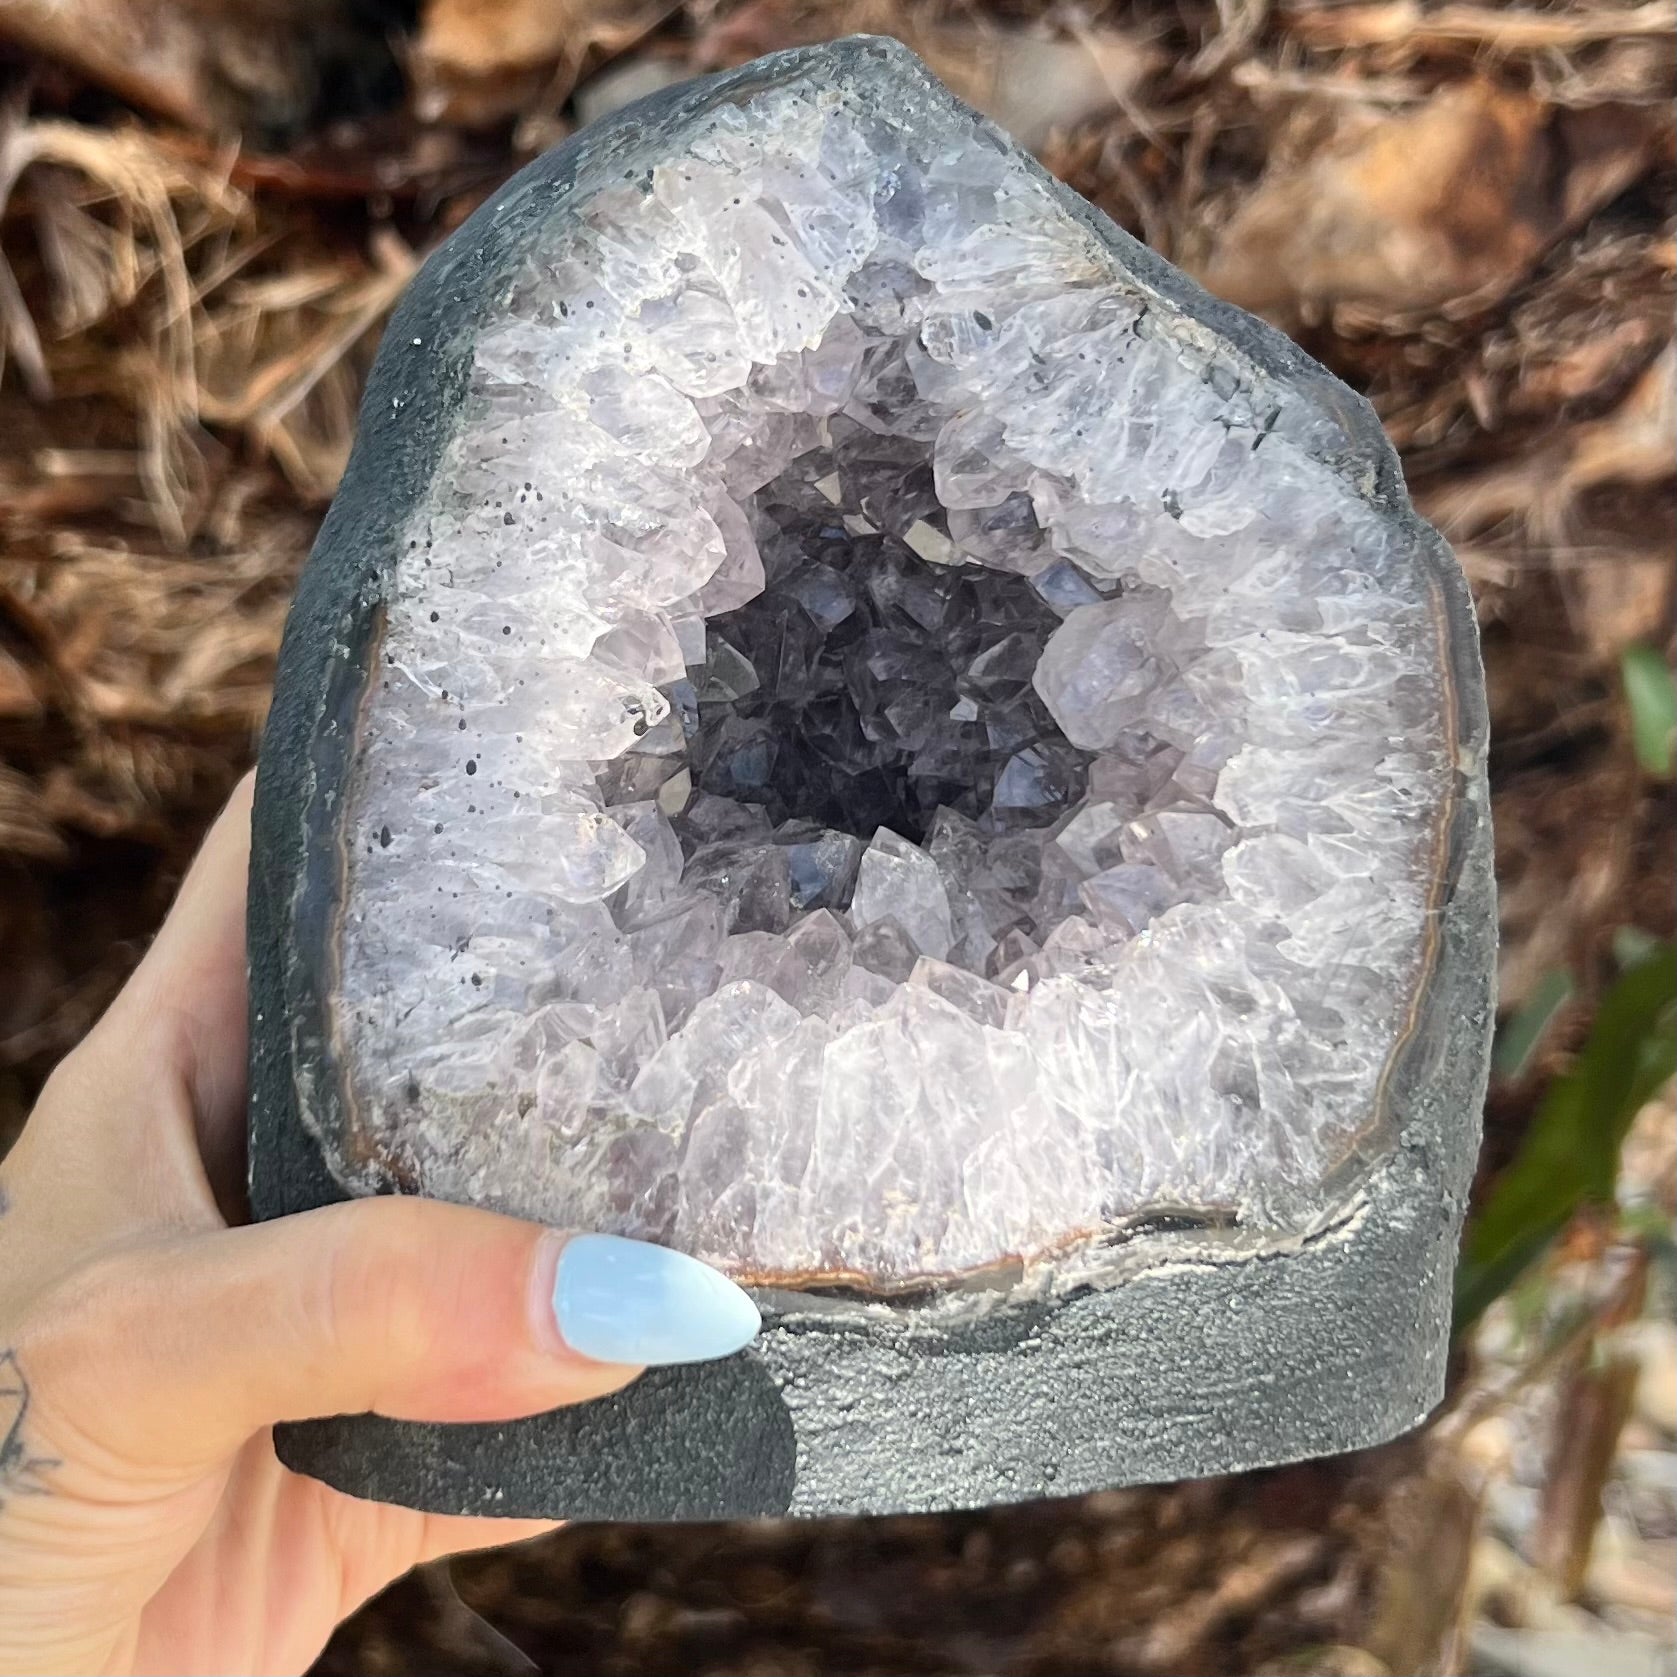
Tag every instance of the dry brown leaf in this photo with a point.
(1595, 1402)
(1564, 860)
(1030, 82)
(1616, 600)
(475, 62)
(1417, 1620)
(1173, 1641)
(1604, 314)
(19, 699)
(167, 295)
(1442, 207)
(159, 640)
(1032, 85)
(1635, 444)
(1409, 25)
(153, 209)
(181, 61)
(730, 35)
(1573, 338)
(217, 66)
(282, 358)
(26, 829)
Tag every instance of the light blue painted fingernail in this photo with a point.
(628, 1301)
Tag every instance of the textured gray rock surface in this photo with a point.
(1307, 1320)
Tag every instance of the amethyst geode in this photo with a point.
(849, 720)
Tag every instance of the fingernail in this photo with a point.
(628, 1301)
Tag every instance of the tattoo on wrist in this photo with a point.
(5, 1200)
(21, 1473)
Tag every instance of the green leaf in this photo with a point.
(1523, 1030)
(1653, 709)
(1570, 1156)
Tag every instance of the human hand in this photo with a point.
(146, 1348)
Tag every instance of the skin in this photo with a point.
(147, 1346)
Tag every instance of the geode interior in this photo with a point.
(886, 762)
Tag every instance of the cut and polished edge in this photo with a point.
(1200, 1360)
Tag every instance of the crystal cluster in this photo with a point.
(886, 760)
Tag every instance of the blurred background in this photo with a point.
(207, 208)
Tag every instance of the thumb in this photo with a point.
(171, 1355)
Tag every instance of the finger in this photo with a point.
(146, 1116)
(406, 1307)
(186, 1002)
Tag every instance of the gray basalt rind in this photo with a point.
(1203, 1356)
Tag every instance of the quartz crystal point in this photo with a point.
(850, 721)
